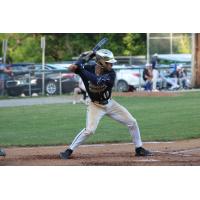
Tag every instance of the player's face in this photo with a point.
(109, 66)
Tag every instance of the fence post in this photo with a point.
(60, 82)
(29, 89)
(140, 80)
(2, 78)
(43, 44)
(148, 50)
(4, 50)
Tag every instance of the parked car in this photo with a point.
(28, 80)
(54, 82)
(128, 77)
(21, 80)
(4, 77)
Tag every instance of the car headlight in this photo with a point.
(18, 82)
(33, 81)
(21, 82)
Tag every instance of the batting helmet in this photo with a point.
(104, 56)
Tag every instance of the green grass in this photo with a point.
(159, 118)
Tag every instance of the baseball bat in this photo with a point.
(98, 46)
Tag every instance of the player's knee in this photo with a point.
(89, 131)
(133, 123)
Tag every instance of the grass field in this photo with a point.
(159, 118)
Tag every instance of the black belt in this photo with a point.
(104, 102)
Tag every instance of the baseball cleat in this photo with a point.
(2, 152)
(66, 154)
(140, 151)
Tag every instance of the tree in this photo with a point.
(25, 47)
(135, 44)
(182, 44)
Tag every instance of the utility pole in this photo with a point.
(171, 43)
(4, 50)
(196, 61)
(148, 53)
(43, 44)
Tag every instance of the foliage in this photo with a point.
(160, 43)
(25, 47)
(182, 44)
(135, 44)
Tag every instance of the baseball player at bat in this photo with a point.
(99, 80)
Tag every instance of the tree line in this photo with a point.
(26, 47)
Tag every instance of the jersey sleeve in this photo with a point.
(107, 79)
(88, 66)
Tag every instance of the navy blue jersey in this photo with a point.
(99, 88)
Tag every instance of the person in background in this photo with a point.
(4, 70)
(154, 62)
(173, 78)
(182, 77)
(80, 90)
(147, 77)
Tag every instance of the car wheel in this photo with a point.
(122, 86)
(51, 88)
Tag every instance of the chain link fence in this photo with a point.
(29, 82)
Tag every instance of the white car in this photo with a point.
(128, 78)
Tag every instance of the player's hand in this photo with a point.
(85, 56)
(73, 68)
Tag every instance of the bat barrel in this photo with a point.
(100, 44)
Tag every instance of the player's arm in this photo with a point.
(81, 63)
(73, 68)
(107, 79)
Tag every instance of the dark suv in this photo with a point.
(27, 79)
(57, 79)
(21, 80)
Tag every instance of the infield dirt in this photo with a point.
(179, 153)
